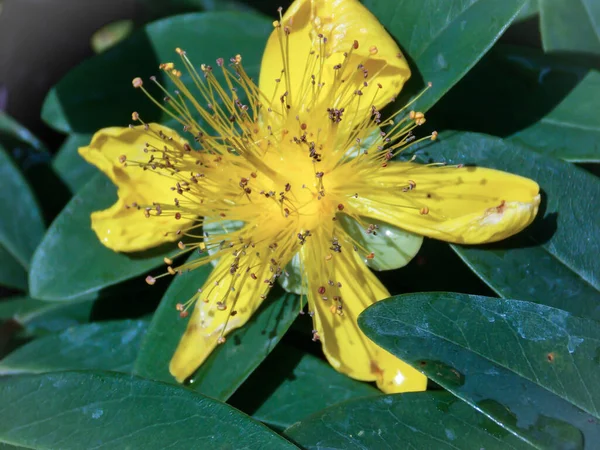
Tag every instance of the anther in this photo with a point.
(137, 82)
(171, 270)
(321, 290)
(373, 50)
(150, 280)
(168, 261)
(221, 340)
(135, 116)
(181, 245)
(424, 211)
(122, 159)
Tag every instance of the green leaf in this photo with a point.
(39, 317)
(545, 102)
(158, 8)
(529, 11)
(103, 410)
(101, 346)
(21, 223)
(435, 420)
(443, 40)
(289, 385)
(33, 159)
(570, 25)
(505, 357)
(555, 260)
(72, 169)
(230, 363)
(98, 93)
(572, 130)
(71, 261)
(31, 152)
(12, 274)
(392, 246)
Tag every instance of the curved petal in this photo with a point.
(465, 205)
(341, 278)
(124, 226)
(209, 322)
(342, 22)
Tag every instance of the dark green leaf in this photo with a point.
(529, 11)
(39, 317)
(71, 261)
(70, 167)
(101, 346)
(103, 410)
(443, 40)
(570, 25)
(31, 152)
(12, 274)
(572, 130)
(546, 102)
(21, 223)
(506, 357)
(289, 385)
(554, 261)
(158, 8)
(33, 159)
(98, 93)
(427, 420)
(232, 362)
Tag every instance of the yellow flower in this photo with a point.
(276, 170)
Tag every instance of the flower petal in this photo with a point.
(348, 350)
(124, 227)
(208, 322)
(342, 22)
(466, 205)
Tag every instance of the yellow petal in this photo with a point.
(208, 323)
(347, 349)
(123, 226)
(466, 205)
(342, 22)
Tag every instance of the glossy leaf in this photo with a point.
(230, 363)
(529, 11)
(554, 261)
(443, 40)
(71, 261)
(12, 274)
(101, 346)
(39, 317)
(21, 222)
(506, 357)
(98, 93)
(299, 384)
(103, 410)
(546, 102)
(393, 247)
(415, 420)
(570, 25)
(70, 166)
